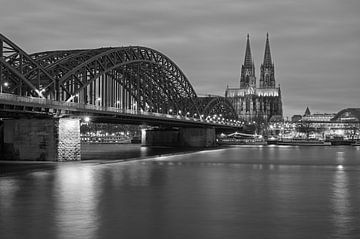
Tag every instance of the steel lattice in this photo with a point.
(131, 77)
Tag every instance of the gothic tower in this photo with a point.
(247, 78)
(260, 104)
(267, 70)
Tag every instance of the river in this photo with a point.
(235, 192)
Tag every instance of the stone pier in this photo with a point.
(41, 139)
(183, 137)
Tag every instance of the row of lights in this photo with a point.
(215, 118)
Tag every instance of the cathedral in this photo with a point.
(257, 102)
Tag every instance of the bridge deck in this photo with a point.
(37, 107)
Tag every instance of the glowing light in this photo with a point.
(87, 119)
(339, 132)
(340, 167)
(6, 84)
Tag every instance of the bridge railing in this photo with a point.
(39, 102)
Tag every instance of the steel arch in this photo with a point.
(79, 70)
(120, 77)
(216, 105)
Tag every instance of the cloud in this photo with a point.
(314, 44)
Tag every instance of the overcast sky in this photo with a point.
(315, 43)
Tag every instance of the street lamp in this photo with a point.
(98, 100)
(5, 84)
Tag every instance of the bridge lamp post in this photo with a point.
(76, 97)
(98, 100)
(5, 84)
(170, 111)
(86, 119)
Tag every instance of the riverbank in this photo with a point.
(98, 154)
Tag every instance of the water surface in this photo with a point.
(239, 192)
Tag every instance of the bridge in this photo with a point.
(132, 85)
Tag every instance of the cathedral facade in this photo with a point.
(252, 101)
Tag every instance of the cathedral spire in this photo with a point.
(248, 62)
(247, 77)
(267, 55)
(267, 71)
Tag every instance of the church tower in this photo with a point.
(267, 70)
(247, 78)
(260, 104)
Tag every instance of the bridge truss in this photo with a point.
(134, 78)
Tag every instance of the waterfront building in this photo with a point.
(252, 101)
(345, 124)
(319, 117)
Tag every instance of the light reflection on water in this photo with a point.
(265, 192)
(76, 199)
(341, 203)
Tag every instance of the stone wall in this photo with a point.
(68, 139)
(41, 139)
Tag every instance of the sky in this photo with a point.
(315, 44)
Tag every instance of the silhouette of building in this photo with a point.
(307, 112)
(254, 102)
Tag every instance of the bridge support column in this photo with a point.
(198, 137)
(41, 139)
(183, 137)
(160, 137)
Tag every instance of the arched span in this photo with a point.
(144, 69)
(133, 77)
(216, 105)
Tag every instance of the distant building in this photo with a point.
(296, 118)
(342, 125)
(348, 115)
(254, 102)
(320, 117)
(307, 112)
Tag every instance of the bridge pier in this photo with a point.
(183, 137)
(41, 139)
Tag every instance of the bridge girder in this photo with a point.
(217, 105)
(111, 77)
